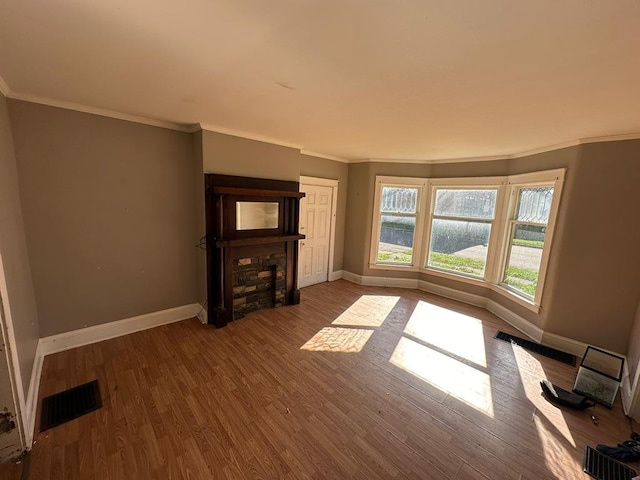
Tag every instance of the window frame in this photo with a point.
(499, 240)
(548, 178)
(399, 182)
(467, 183)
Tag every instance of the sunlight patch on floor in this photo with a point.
(454, 332)
(460, 380)
(367, 311)
(332, 339)
(531, 374)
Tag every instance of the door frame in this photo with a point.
(8, 337)
(327, 182)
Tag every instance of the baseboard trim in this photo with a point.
(565, 344)
(532, 331)
(352, 277)
(390, 282)
(516, 321)
(371, 281)
(105, 331)
(452, 293)
(29, 416)
(335, 275)
(202, 315)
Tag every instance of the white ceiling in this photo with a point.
(387, 79)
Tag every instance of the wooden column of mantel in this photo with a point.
(226, 243)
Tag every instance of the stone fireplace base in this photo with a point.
(258, 282)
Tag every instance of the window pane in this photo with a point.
(399, 200)
(396, 239)
(459, 246)
(534, 204)
(525, 255)
(466, 203)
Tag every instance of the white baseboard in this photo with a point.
(516, 321)
(203, 315)
(105, 331)
(452, 293)
(29, 415)
(565, 344)
(390, 282)
(380, 281)
(336, 275)
(534, 332)
(352, 277)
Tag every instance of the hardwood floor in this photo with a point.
(385, 391)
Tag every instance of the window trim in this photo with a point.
(549, 178)
(386, 181)
(465, 183)
(500, 231)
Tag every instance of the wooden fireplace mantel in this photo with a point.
(225, 243)
(241, 242)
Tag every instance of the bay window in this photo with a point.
(495, 231)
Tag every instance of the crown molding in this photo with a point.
(548, 148)
(309, 153)
(526, 153)
(248, 136)
(431, 161)
(610, 138)
(98, 111)
(4, 88)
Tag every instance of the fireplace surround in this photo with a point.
(252, 245)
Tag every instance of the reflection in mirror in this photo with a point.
(256, 215)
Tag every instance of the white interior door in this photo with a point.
(315, 223)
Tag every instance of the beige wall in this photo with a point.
(595, 266)
(109, 215)
(230, 155)
(20, 304)
(592, 287)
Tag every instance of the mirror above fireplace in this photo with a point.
(256, 215)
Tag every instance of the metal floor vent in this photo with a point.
(603, 467)
(70, 404)
(537, 348)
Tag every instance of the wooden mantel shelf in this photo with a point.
(241, 242)
(256, 192)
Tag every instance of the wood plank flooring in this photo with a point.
(355, 382)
